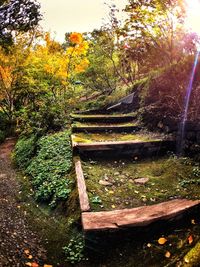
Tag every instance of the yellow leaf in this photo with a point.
(193, 221)
(190, 239)
(162, 241)
(167, 254)
(111, 192)
(113, 206)
(28, 264)
(148, 245)
(186, 260)
(30, 257)
(46, 265)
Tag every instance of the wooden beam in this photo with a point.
(141, 216)
(83, 197)
(110, 145)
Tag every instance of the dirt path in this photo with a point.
(18, 244)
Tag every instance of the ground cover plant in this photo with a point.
(48, 162)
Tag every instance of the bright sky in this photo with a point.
(61, 16)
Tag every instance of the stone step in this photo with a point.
(141, 216)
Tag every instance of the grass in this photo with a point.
(167, 177)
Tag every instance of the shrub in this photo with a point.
(3, 121)
(40, 118)
(49, 169)
(25, 150)
(2, 136)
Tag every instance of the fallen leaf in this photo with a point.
(27, 251)
(46, 265)
(193, 221)
(28, 264)
(30, 257)
(186, 260)
(148, 245)
(190, 239)
(162, 241)
(34, 264)
(167, 254)
(106, 183)
(111, 192)
(113, 206)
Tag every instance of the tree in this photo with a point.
(36, 77)
(17, 16)
(155, 30)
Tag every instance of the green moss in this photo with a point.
(93, 124)
(165, 176)
(103, 137)
(85, 116)
(192, 258)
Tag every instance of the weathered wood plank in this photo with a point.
(141, 216)
(109, 145)
(83, 197)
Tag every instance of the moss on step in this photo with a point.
(192, 258)
(166, 181)
(98, 124)
(77, 116)
(103, 137)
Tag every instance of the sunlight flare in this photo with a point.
(193, 18)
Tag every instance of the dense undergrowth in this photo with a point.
(3, 126)
(162, 96)
(48, 161)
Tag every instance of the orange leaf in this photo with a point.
(190, 239)
(162, 241)
(27, 251)
(46, 265)
(167, 254)
(34, 264)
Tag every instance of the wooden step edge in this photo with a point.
(116, 128)
(114, 144)
(105, 126)
(136, 217)
(82, 190)
(83, 116)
